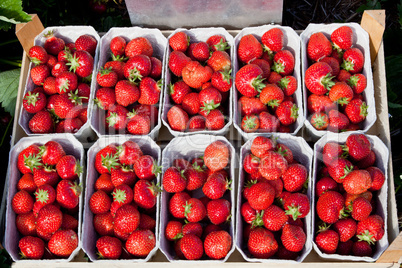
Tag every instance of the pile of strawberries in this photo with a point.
(275, 202)
(335, 82)
(62, 76)
(266, 84)
(124, 203)
(47, 201)
(200, 83)
(198, 204)
(129, 87)
(346, 193)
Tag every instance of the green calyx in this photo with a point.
(209, 106)
(323, 227)
(364, 109)
(75, 98)
(32, 161)
(155, 188)
(112, 119)
(134, 75)
(319, 120)
(35, 61)
(65, 85)
(250, 122)
(118, 57)
(366, 236)
(348, 65)
(257, 222)
(110, 161)
(73, 62)
(48, 34)
(282, 151)
(273, 103)
(327, 82)
(119, 196)
(293, 211)
(98, 103)
(123, 167)
(32, 98)
(171, 89)
(222, 46)
(269, 52)
(156, 170)
(227, 75)
(346, 170)
(42, 196)
(87, 79)
(343, 101)
(257, 83)
(228, 183)
(187, 209)
(197, 167)
(131, 114)
(294, 112)
(105, 71)
(77, 188)
(284, 82)
(353, 80)
(278, 67)
(78, 168)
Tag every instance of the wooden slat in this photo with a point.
(26, 32)
(393, 252)
(373, 21)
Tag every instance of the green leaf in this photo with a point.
(9, 89)
(11, 13)
(394, 105)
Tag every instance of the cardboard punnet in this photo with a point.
(158, 42)
(189, 147)
(303, 153)
(90, 236)
(197, 35)
(361, 41)
(291, 43)
(72, 147)
(382, 156)
(68, 34)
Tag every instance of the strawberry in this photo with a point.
(103, 223)
(362, 249)
(123, 194)
(67, 105)
(69, 168)
(138, 124)
(116, 117)
(147, 222)
(145, 194)
(361, 209)
(146, 168)
(106, 77)
(273, 40)
(194, 228)
(357, 182)
(173, 230)
(139, 46)
(284, 62)
(150, 91)
(69, 222)
(192, 247)
(81, 63)
(377, 178)
(105, 98)
(196, 123)
(34, 102)
(70, 125)
(200, 51)
(327, 241)
(127, 219)
(177, 61)
(325, 184)
(271, 95)
(179, 41)
(341, 93)
(319, 120)
(272, 165)
(218, 211)
(337, 121)
(210, 98)
(343, 76)
(294, 177)
(49, 85)
(215, 120)
(345, 248)
(370, 229)
(274, 218)
(63, 243)
(219, 61)
(217, 244)
(356, 111)
(293, 238)
(129, 152)
(194, 74)
(216, 156)
(297, 205)
(45, 194)
(177, 118)
(339, 168)
(250, 215)
(358, 82)
(191, 103)
(319, 103)
(330, 206)
(49, 219)
(26, 224)
(264, 65)
(22, 202)
(274, 78)
(126, 93)
(330, 152)
(250, 123)
(349, 198)
(31, 247)
(117, 66)
(261, 145)
(29, 159)
(333, 63)
(222, 80)
(38, 55)
(249, 106)
(262, 243)
(287, 113)
(288, 84)
(41, 122)
(27, 183)
(39, 74)
(59, 68)
(249, 48)
(118, 45)
(156, 68)
(51, 62)
(68, 194)
(177, 204)
(45, 175)
(342, 37)
(137, 67)
(66, 82)
(353, 60)
(318, 78)
(358, 146)
(196, 177)
(194, 210)
(216, 186)
(53, 44)
(261, 195)
(285, 151)
(346, 228)
(217, 42)
(178, 91)
(249, 80)
(140, 243)
(65, 55)
(318, 46)
(87, 43)
(268, 122)
(366, 162)
(109, 247)
(122, 175)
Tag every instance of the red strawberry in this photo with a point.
(105, 98)
(377, 178)
(249, 48)
(69, 167)
(116, 117)
(288, 84)
(138, 124)
(337, 121)
(249, 106)
(366, 162)
(129, 152)
(271, 95)
(109, 247)
(145, 194)
(325, 184)
(103, 223)
(49, 219)
(268, 122)
(341, 93)
(45, 175)
(201, 51)
(339, 168)
(66, 82)
(178, 91)
(297, 205)
(63, 243)
(179, 41)
(319, 103)
(216, 156)
(346, 228)
(41, 122)
(34, 102)
(261, 195)
(147, 222)
(261, 145)
(194, 74)
(370, 229)
(216, 186)
(274, 78)
(126, 93)
(122, 175)
(210, 98)
(262, 243)
(191, 103)
(106, 77)
(274, 218)
(68, 194)
(139, 46)
(318, 46)
(222, 80)
(38, 55)
(250, 123)
(146, 168)
(194, 210)
(330, 206)
(69, 222)
(177, 118)
(358, 82)
(140, 243)
(217, 42)
(26, 224)
(272, 165)
(284, 62)
(192, 247)
(81, 63)
(343, 76)
(194, 228)
(217, 244)
(357, 182)
(177, 61)
(173, 230)
(249, 79)
(29, 159)
(52, 152)
(327, 241)
(127, 219)
(123, 194)
(117, 66)
(264, 65)
(67, 105)
(53, 44)
(330, 152)
(27, 183)
(22, 202)
(356, 111)
(318, 78)
(345, 248)
(361, 208)
(196, 177)
(59, 68)
(118, 45)
(215, 120)
(70, 125)
(156, 68)
(362, 249)
(196, 123)
(319, 120)
(273, 40)
(358, 146)
(333, 63)
(177, 204)
(51, 62)
(219, 61)
(294, 177)
(287, 113)
(31, 247)
(49, 86)
(137, 67)
(45, 194)
(293, 238)
(87, 43)
(39, 74)
(150, 91)
(218, 211)
(353, 60)
(342, 37)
